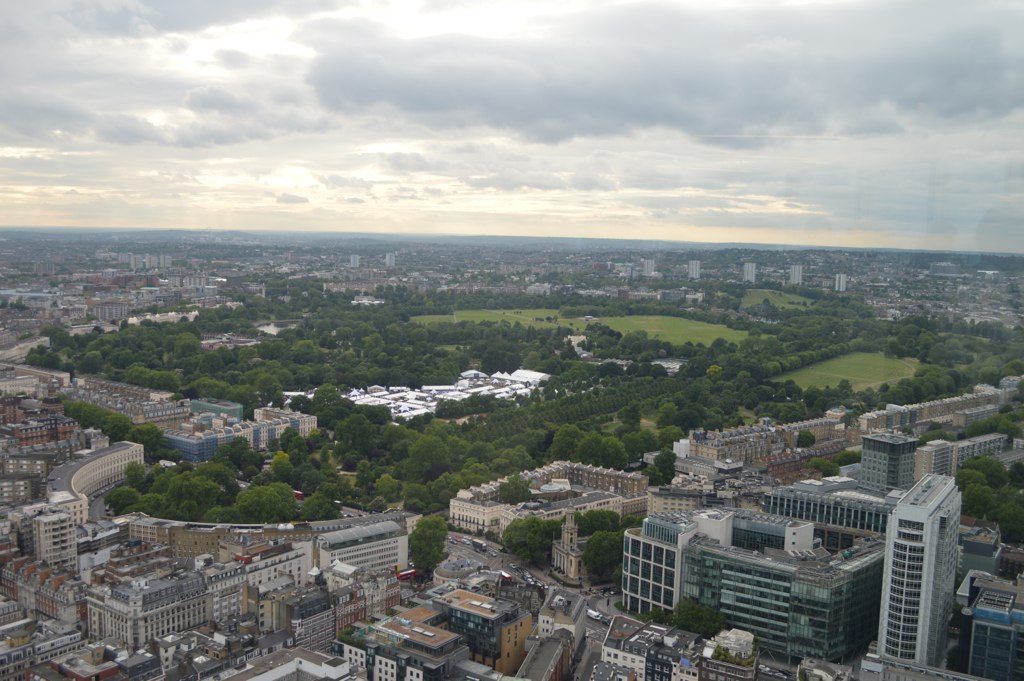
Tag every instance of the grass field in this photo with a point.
(779, 299)
(861, 369)
(672, 329)
(534, 317)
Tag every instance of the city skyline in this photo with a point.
(819, 124)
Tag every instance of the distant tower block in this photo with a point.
(750, 272)
(648, 266)
(389, 260)
(693, 269)
(353, 260)
(796, 275)
(841, 283)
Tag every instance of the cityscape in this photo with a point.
(228, 454)
(449, 340)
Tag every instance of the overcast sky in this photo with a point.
(889, 123)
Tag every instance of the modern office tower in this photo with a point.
(648, 266)
(750, 272)
(353, 260)
(389, 259)
(992, 634)
(796, 275)
(693, 269)
(841, 283)
(920, 572)
(887, 462)
(763, 572)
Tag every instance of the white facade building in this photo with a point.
(750, 272)
(920, 572)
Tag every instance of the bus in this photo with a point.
(479, 546)
(407, 575)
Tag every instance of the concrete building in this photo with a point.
(834, 501)
(210, 405)
(565, 611)
(54, 539)
(917, 592)
(796, 275)
(992, 635)
(887, 462)
(652, 652)
(382, 545)
(693, 269)
(937, 457)
(750, 272)
(495, 630)
(841, 281)
(142, 610)
(730, 656)
(73, 485)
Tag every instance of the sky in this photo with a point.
(888, 123)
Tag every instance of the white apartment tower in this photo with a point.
(920, 572)
(353, 260)
(750, 272)
(796, 275)
(840, 283)
(693, 269)
(389, 259)
(648, 266)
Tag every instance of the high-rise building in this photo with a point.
(796, 275)
(750, 272)
(887, 462)
(920, 572)
(648, 266)
(353, 260)
(693, 269)
(841, 283)
(389, 259)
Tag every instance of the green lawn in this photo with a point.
(756, 296)
(672, 329)
(861, 369)
(535, 317)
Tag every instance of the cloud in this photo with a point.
(781, 72)
(291, 199)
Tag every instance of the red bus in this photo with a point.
(299, 496)
(407, 575)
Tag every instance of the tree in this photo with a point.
(603, 554)
(274, 503)
(319, 506)
(388, 488)
(664, 467)
(514, 490)
(426, 543)
(531, 538)
(149, 436)
(690, 615)
(597, 521)
(135, 475)
(116, 426)
(993, 470)
(805, 438)
(120, 499)
(826, 467)
(630, 416)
